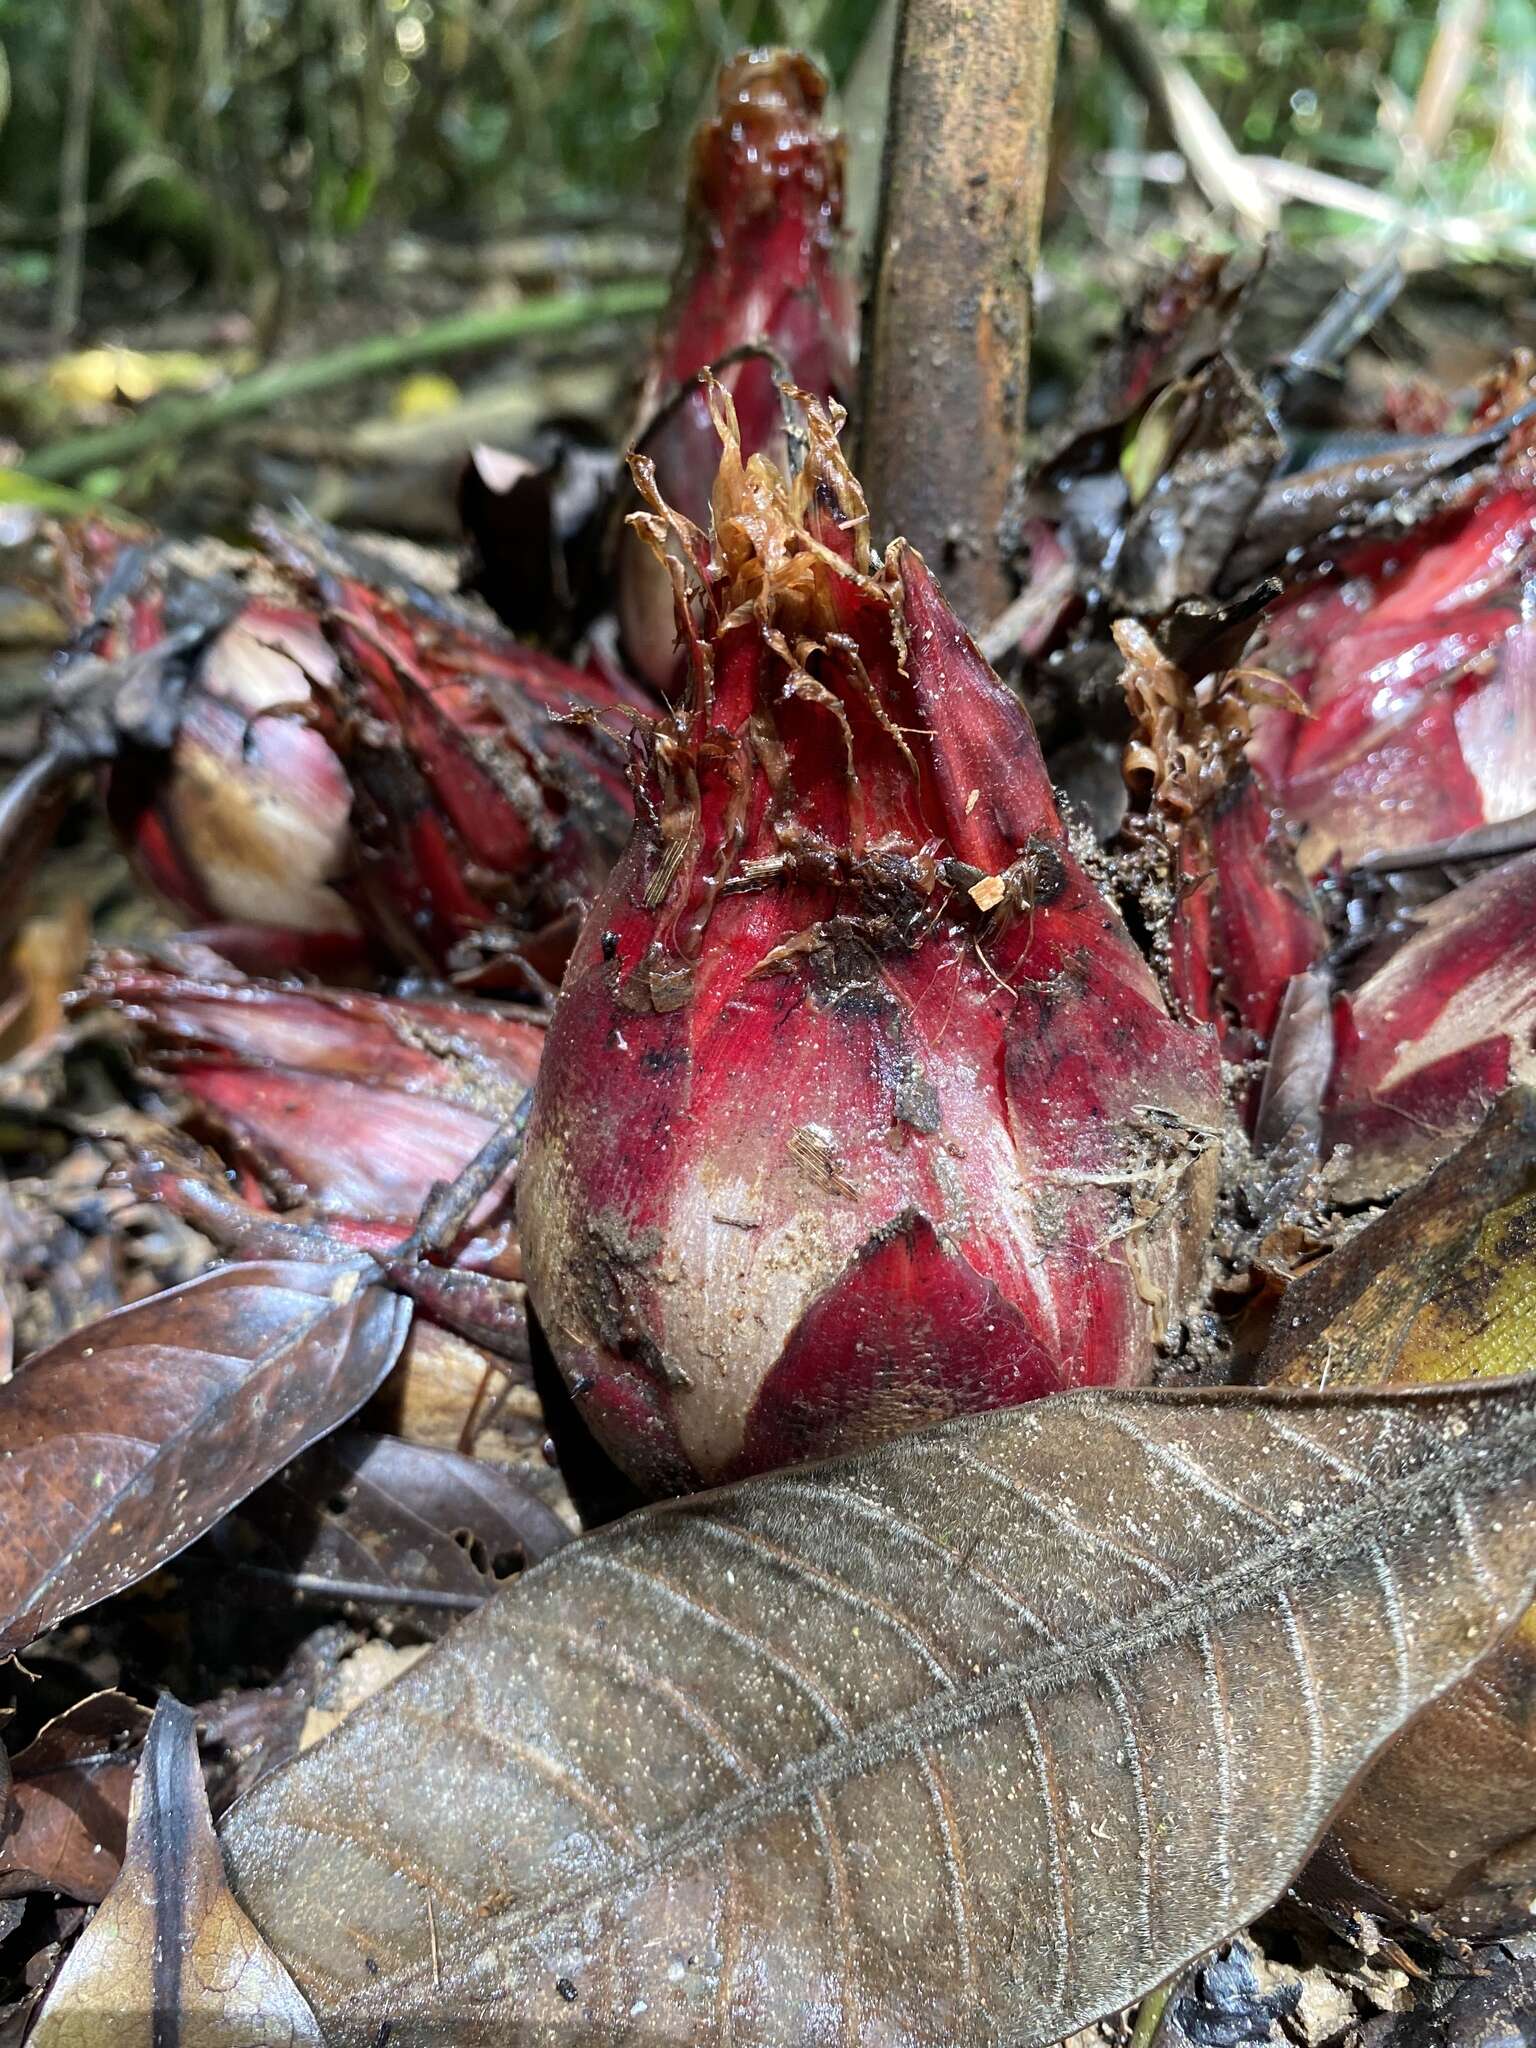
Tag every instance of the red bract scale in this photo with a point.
(491, 796)
(859, 1107)
(1415, 661)
(243, 826)
(1430, 1041)
(760, 266)
(347, 1105)
(1243, 920)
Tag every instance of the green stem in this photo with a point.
(1149, 2016)
(179, 419)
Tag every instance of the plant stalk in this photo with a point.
(173, 421)
(946, 368)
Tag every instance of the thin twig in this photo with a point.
(74, 170)
(1223, 174)
(450, 1203)
(1149, 2016)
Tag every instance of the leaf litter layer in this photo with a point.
(968, 1739)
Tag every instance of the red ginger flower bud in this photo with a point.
(859, 1107)
(245, 823)
(490, 798)
(1243, 920)
(242, 822)
(761, 267)
(1415, 662)
(352, 1106)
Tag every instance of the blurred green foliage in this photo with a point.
(1336, 86)
(226, 134)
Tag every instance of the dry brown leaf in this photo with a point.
(123, 1442)
(973, 1737)
(69, 1800)
(421, 1535)
(170, 1958)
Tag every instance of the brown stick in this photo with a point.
(947, 362)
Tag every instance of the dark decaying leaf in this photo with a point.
(399, 1526)
(122, 1443)
(170, 1958)
(69, 1800)
(1441, 1287)
(1438, 1288)
(245, 1734)
(535, 529)
(1492, 2005)
(1225, 2003)
(972, 1737)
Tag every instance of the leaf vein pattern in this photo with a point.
(844, 1972)
(1135, 1768)
(656, 1686)
(1470, 1544)
(1221, 1731)
(1300, 1441)
(865, 1603)
(1045, 1779)
(1058, 1518)
(1397, 1625)
(1192, 1471)
(745, 1638)
(893, 1525)
(952, 1848)
(1307, 1679)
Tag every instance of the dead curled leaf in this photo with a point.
(123, 1442)
(973, 1737)
(385, 1524)
(69, 1800)
(170, 1957)
(1443, 1286)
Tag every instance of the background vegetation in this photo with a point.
(237, 143)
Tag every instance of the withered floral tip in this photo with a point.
(773, 534)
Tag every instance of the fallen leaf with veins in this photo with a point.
(977, 1735)
(123, 1442)
(69, 1800)
(1442, 1287)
